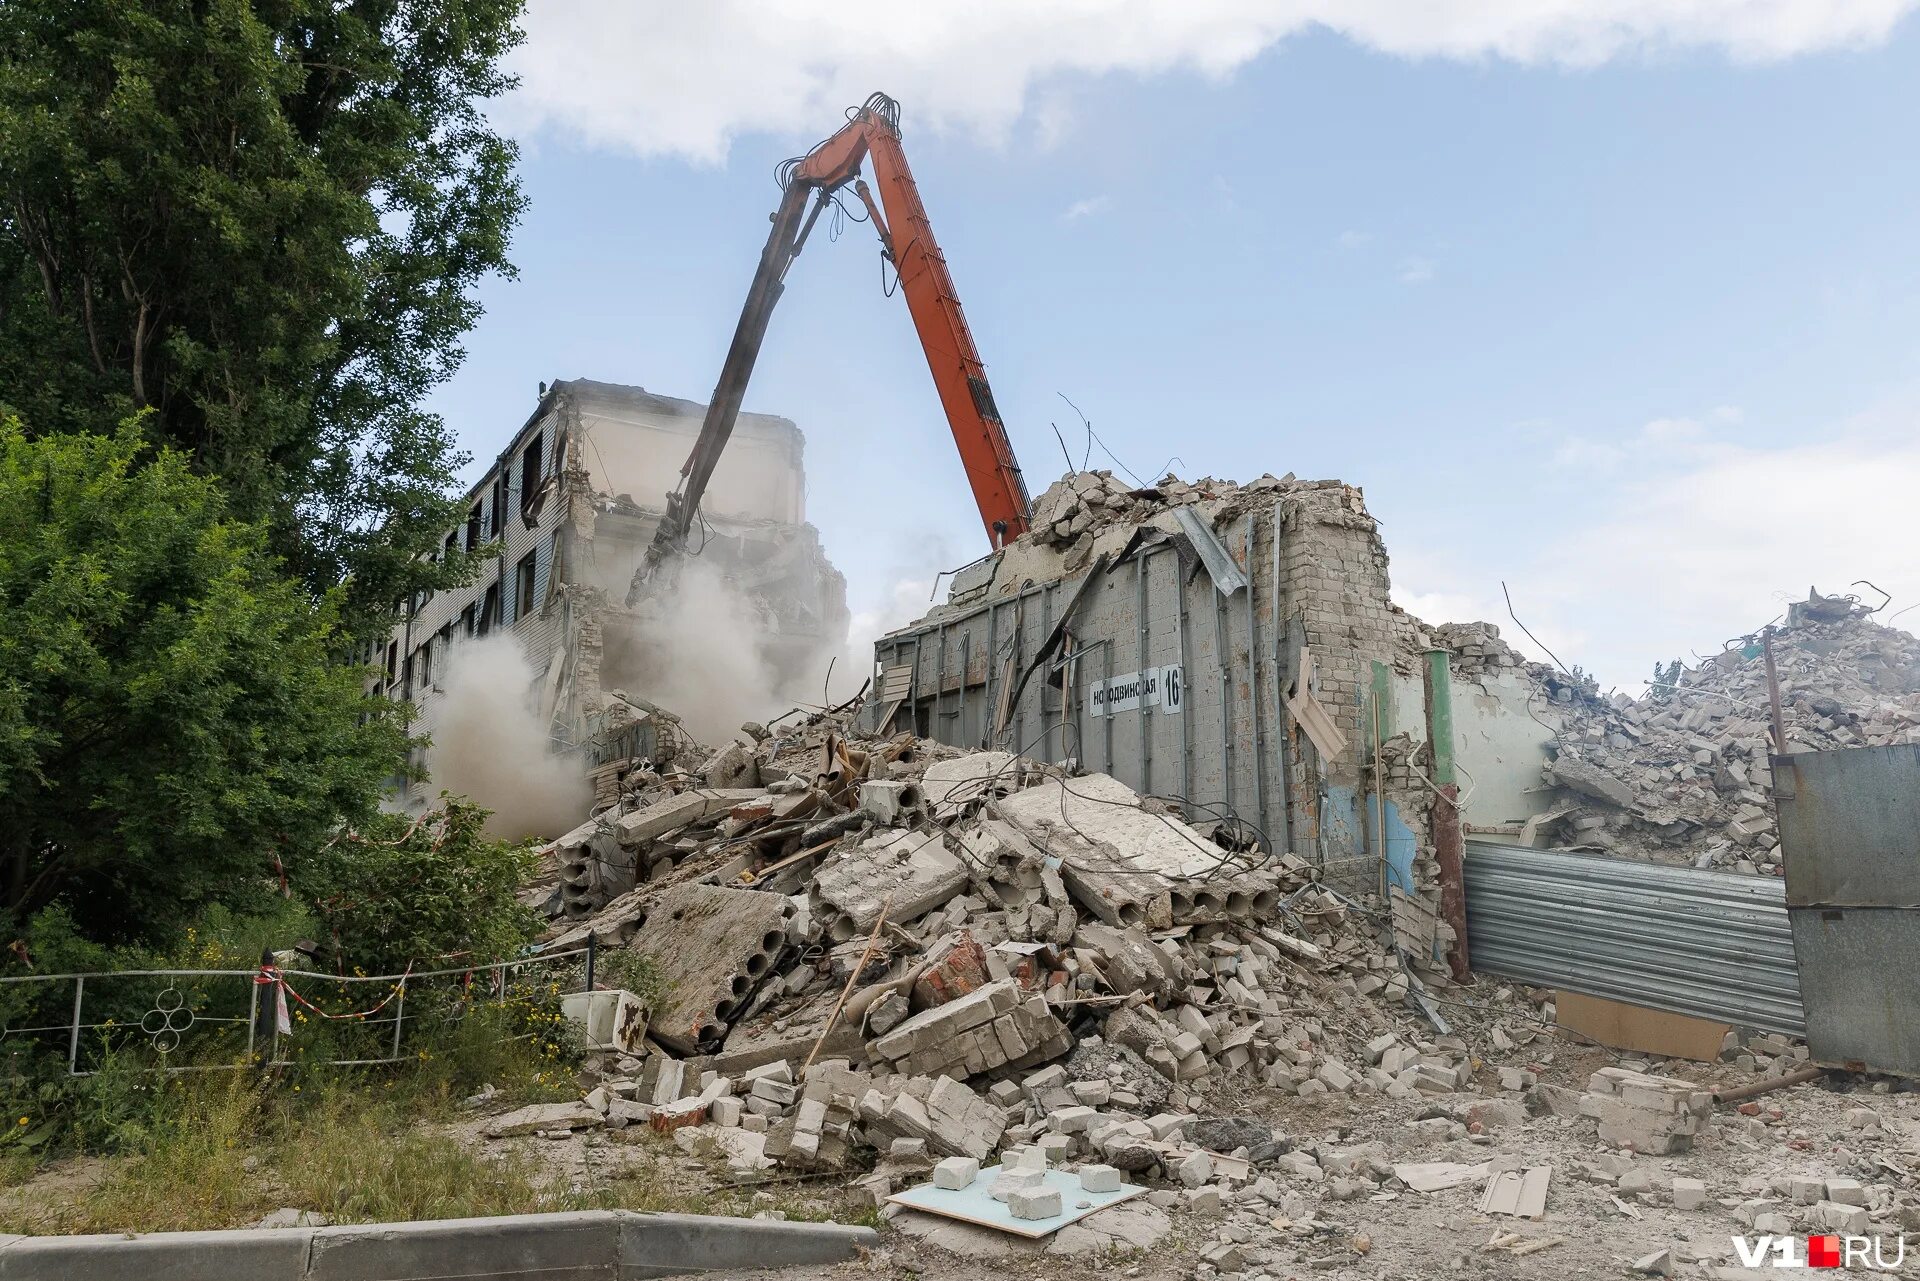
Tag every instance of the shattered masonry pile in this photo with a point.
(1028, 961)
(1307, 638)
(1080, 505)
(1681, 775)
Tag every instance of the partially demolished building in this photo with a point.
(571, 504)
(1157, 811)
(1231, 648)
(1212, 642)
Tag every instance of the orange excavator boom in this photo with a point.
(872, 132)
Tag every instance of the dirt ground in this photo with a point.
(1298, 1227)
(1601, 1214)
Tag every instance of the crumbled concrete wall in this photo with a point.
(608, 454)
(1153, 611)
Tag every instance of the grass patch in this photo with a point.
(355, 1151)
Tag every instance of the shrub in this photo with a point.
(433, 892)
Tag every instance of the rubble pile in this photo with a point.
(921, 953)
(1081, 504)
(1682, 774)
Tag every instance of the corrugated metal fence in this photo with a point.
(1711, 944)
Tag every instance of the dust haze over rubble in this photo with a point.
(698, 651)
(490, 744)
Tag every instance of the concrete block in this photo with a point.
(891, 802)
(713, 946)
(810, 1117)
(956, 1172)
(773, 1091)
(543, 1116)
(1007, 1182)
(1094, 1094)
(1689, 1194)
(1194, 1169)
(1025, 1158)
(1100, 1178)
(1056, 1147)
(1050, 1077)
(1034, 1203)
(1846, 1192)
(1849, 1220)
(779, 1070)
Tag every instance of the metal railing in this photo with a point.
(215, 1020)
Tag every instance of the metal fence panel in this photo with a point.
(1850, 825)
(1711, 944)
(1850, 828)
(225, 1019)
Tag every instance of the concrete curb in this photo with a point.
(601, 1245)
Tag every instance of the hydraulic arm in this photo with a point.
(808, 185)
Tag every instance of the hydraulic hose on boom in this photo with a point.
(872, 132)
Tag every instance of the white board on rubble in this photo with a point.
(973, 1205)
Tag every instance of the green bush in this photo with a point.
(434, 892)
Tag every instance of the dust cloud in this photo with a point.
(490, 743)
(700, 654)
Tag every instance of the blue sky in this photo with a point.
(1625, 315)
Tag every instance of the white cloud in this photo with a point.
(668, 77)
(1656, 443)
(1583, 453)
(1085, 208)
(1353, 239)
(1416, 271)
(1706, 546)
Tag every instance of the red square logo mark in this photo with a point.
(1823, 1252)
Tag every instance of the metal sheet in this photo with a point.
(1227, 576)
(1850, 826)
(1710, 944)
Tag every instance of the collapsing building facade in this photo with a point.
(1229, 647)
(571, 504)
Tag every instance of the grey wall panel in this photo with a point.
(1850, 829)
(1850, 826)
(1710, 944)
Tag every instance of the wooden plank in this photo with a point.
(1635, 1027)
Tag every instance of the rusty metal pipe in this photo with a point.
(1740, 1093)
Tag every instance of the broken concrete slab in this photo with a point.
(1590, 780)
(537, 1117)
(712, 948)
(907, 872)
(1130, 866)
(677, 811)
(950, 786)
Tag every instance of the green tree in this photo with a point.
(263, 221)
(172, 731)
(433, 891)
